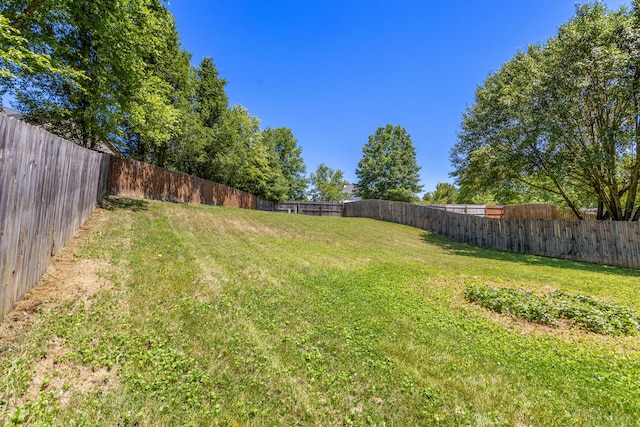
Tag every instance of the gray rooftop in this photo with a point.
(11, 113)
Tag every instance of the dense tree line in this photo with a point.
(115, 73)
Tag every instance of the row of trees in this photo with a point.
(115, 73)
(558, 123)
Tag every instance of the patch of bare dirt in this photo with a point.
(52, 374)
(68, 278)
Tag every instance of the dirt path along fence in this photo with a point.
(48, 188)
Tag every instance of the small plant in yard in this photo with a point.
(583, 310)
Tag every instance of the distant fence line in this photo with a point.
(48, 188)
(530, 210)
(137, 179)
(310, 208)
(603, 242)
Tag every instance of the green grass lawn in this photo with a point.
(218, 316)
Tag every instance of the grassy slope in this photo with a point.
(224, 316)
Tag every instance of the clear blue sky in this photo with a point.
(335, 70)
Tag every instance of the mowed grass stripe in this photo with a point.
(225, 316)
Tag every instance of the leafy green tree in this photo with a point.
(238, 156)
(211, 99)
(153, 118)
(202, 115)
(328, 184)
(124, 96)
(388, 168)
(444, 194)
(562, 119)
(16, 57)
(288, 160)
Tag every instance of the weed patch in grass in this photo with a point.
(585, 311)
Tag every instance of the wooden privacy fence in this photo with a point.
(311, 208)
(533, 211)
(137, 179)
(48, 188)
(603, 242)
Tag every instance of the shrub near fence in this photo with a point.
(48, 188)
(603, 242)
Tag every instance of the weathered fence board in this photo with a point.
(310, 208)
(530, 211)
(48, 188)
(603, 242)
(137, 179)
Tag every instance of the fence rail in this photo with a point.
(310, 208)
(603, 242)
(48, 188)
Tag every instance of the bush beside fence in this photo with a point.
(603, 242)
(48, 188)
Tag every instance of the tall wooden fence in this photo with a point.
(603, 242)
(137, 179)
(48, 188)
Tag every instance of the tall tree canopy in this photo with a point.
(328, 184)
(444, 194)
(388, 168)
(562, 118)
(16, 57)
(288, 160)
(122, 48)
(115, 73)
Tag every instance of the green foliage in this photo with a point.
(583, 310)
(328, 184)
(17, 58)
(79, 35)
(388, 168)
(558, 121)
(288, 160)
(239, 157)
(211, 100)
(444, 194)
(161, 102)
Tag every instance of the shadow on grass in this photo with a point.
(114, 203)
(463, 249)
